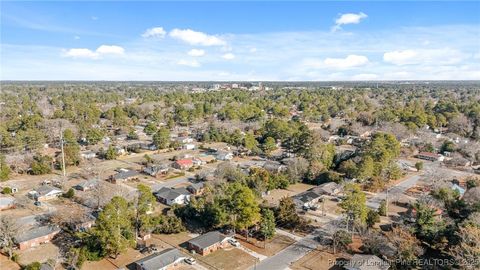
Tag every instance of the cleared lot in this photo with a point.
(233, 259)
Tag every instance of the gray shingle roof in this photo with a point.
(208, 239)
(160, 260)
(6, 201)
(43, 190)
(35, 233)
(171, 193)
(125, 175)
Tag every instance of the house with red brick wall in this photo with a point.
(208, 243)
(36, 236)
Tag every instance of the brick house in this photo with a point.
(36, 236)
(183, 164)
(208, 242)
(164, 260)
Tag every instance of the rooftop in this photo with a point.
(36, 233)
(208, 239)
(161, 259)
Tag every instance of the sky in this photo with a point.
(240, 41)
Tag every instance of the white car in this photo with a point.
(190, 261)
(233, 242)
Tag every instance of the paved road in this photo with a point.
(393, 192)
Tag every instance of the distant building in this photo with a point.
(224, 155)
(45, 193)
(196, 188)
(171, 196)
(330, 188)
(87, 185)
(183, 164)
(164, 260)
(189, 146)
(36, 236)
(208, 243)
(156, 170)
(307, 199)
(123, 176)
(274, 167)
(430, 156)
(366, 262)
(88, 154)
(184, 140)
(7, 202)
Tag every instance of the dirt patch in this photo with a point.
(38, 254)
(173, 239)
(319, 260)
(233, 259)
(270, 247)
(5, 263)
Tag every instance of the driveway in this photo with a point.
(393, 192)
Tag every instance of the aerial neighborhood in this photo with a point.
(239, 175)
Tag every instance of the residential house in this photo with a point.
(83, 224)
(164, 260)
(87, 185)
(184, 140)
(171, 196)
(208, 243)
(36, 236)
(88, 155)
(224, 155)
(156, 170)
(183, 164)
(307, 199)
(189, 146)
(430, 156)
(196, 188)
(45, 193)
(7, 202)
(123, 175)
(366, 262)
(274, 167)
(330, 188)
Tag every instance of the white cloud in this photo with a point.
(196, 52)
(253, 50)
(80, 53)
(196, 38)
(350, 61)
(443, 56)
(400, 57)
(110, 49)
(189, 63)
(76, 37)
(94, 18)
(100, 51)
(348, 18)
(228, 56)
(365, 77)
(157, 32)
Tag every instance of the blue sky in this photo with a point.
(339, 40)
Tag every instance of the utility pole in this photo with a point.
(386, 203)
(63, 152)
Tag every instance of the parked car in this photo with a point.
(37, 203)
(190, 261)
(233, 242)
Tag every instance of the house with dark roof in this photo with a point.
(45, 193)
(366, 262)
(196, 188)
(156, 170)
(208, 242)
(164, 260)
(36, 236)
(307, 199)
(330, 188)
(87, 185)
(171, 196)
(124, 175)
